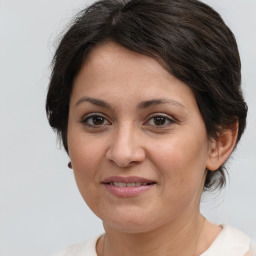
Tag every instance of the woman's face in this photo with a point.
(137, 141)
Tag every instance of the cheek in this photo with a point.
(84, 151)
(86, 156)
(181, 160)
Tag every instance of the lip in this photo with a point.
(130, 179)
(127, 191)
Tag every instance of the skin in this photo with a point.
(126, 140)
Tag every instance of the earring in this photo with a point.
(70, 165)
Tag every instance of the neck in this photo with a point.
(180, 237)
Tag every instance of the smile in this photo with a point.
(131, 184)
(127, 186)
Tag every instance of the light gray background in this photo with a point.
(41, 209)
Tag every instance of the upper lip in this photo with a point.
(130, 179)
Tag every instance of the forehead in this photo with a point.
(113, 62)
(111, 53)
(112, 71)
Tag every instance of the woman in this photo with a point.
(146, 97)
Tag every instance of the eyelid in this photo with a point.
(90, 115)
(162, 115)
(168, 117)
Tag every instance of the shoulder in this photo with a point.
(229, 242)
(87, 248)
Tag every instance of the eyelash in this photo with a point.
(167, 118)
(86, 120)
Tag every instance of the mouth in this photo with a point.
(127, 186)
(130, 184)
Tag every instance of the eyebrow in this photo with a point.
(94, 101)
(154, 102)
(141, 105)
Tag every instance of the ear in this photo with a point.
(221, 148)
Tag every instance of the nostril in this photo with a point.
(125, 152)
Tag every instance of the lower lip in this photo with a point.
(127, 191)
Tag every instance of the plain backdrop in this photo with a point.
(41, 210)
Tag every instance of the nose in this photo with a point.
(125, 148)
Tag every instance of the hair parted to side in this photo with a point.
(187, 36)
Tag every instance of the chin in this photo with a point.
(128, 227)
(132, 223)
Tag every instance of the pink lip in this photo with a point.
(130, 179)
(127, 191)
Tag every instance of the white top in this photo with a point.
(230, 242)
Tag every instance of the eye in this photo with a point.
(95, 121)
(160, 120)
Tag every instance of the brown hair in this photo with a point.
(191, 39)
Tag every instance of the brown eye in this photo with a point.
(160, 120)
(95, 120)
(98, 120)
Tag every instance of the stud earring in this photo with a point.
(70, 165)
